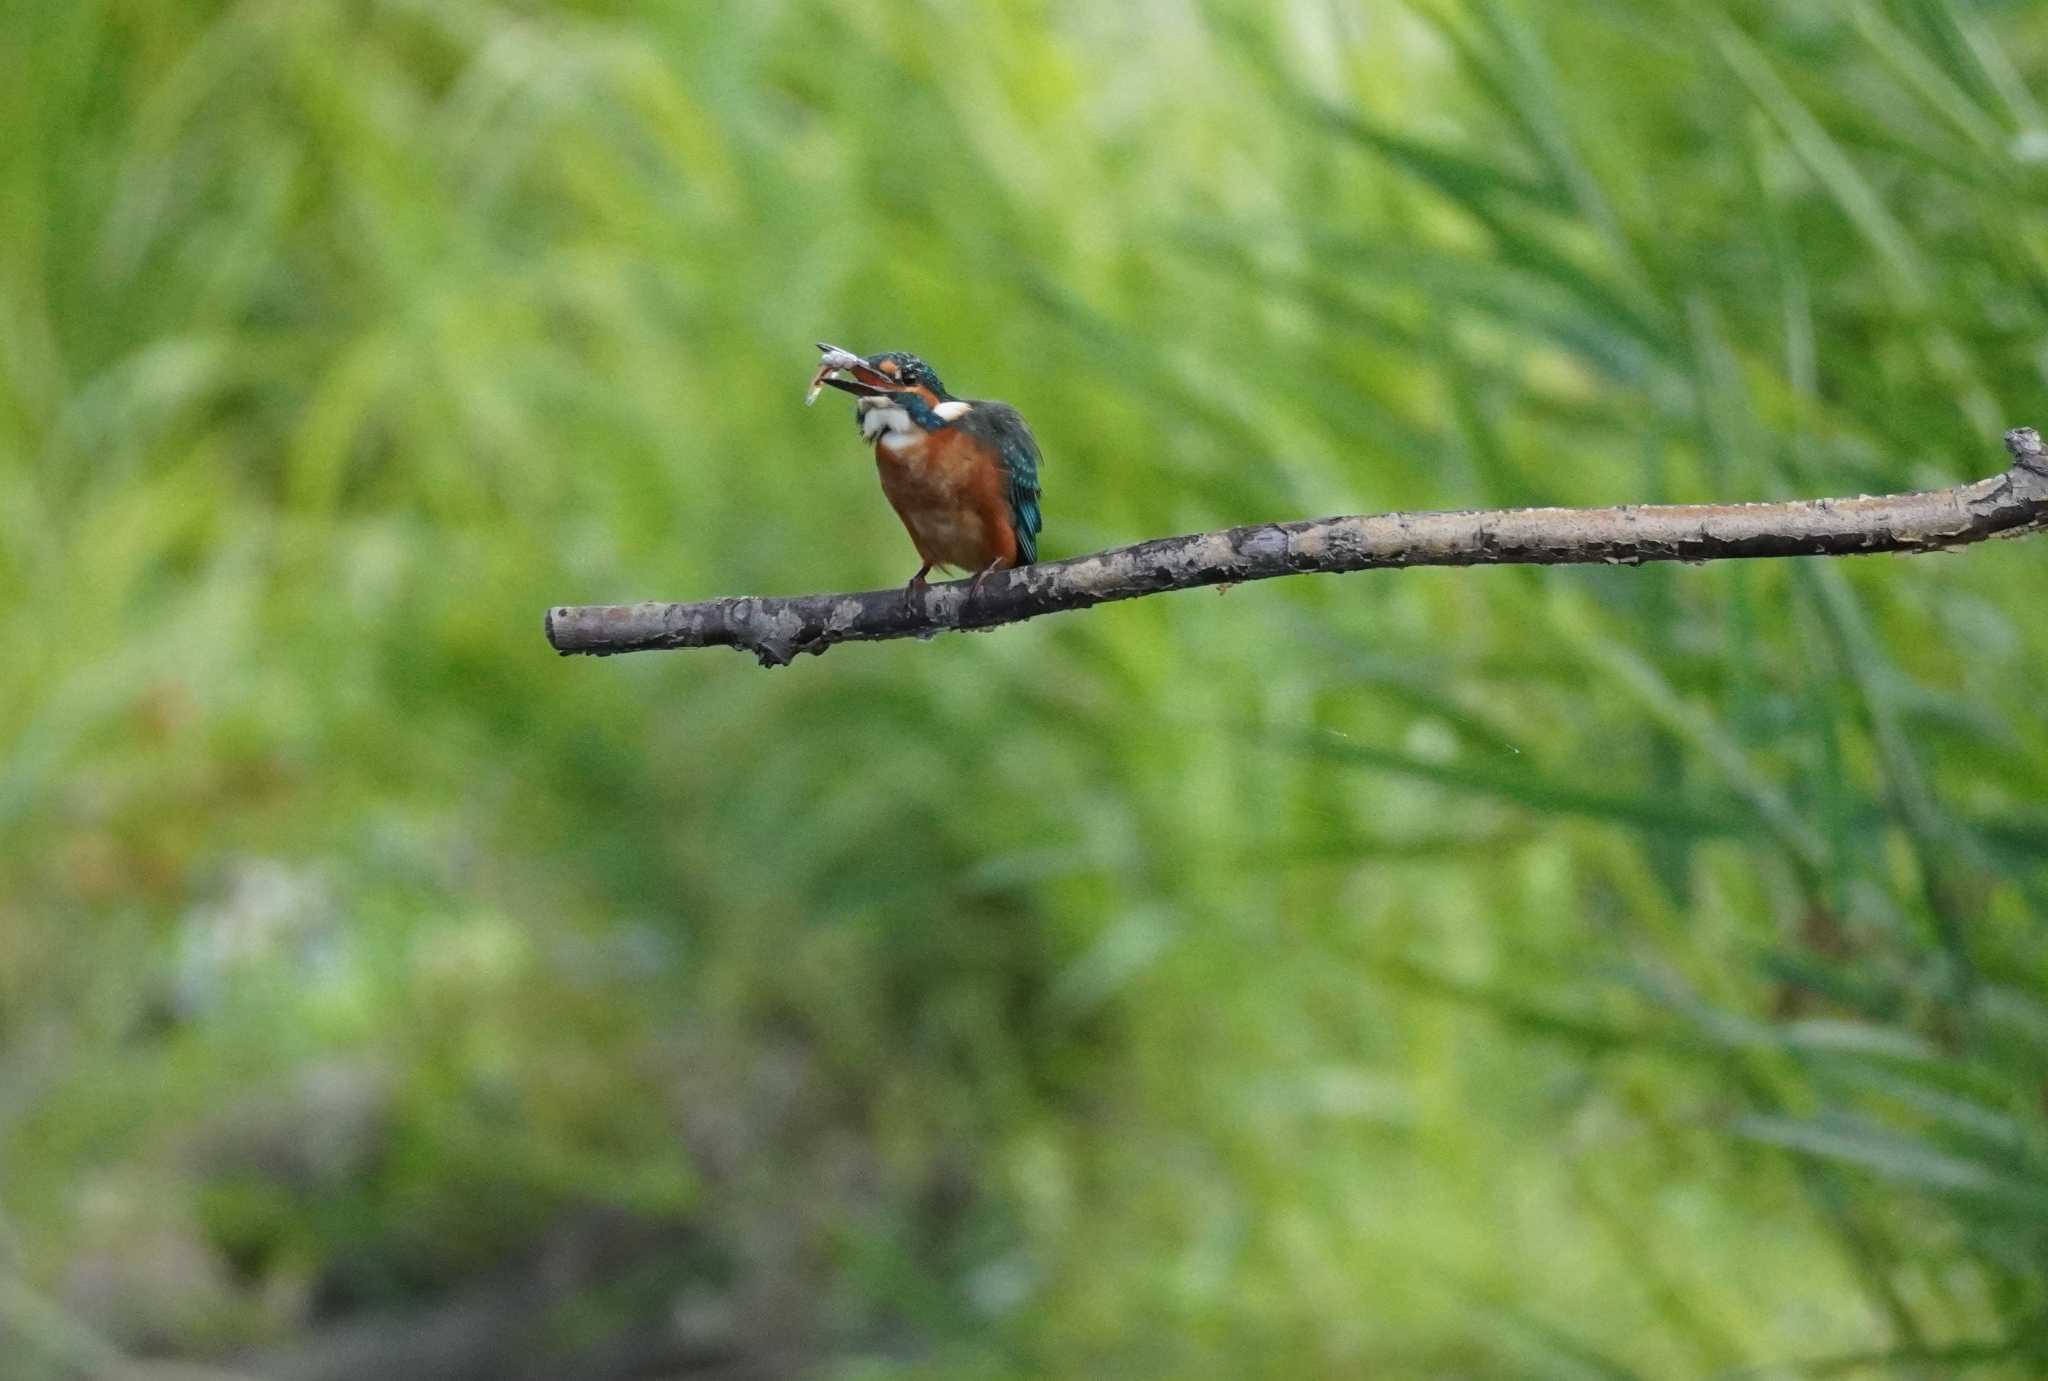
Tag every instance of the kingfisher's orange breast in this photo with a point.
(950, 494)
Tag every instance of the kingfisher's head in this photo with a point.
(871, 378)
(908, 371)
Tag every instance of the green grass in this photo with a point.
(1576, 974)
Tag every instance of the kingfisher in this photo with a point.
(962, 473)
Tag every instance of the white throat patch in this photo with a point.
(879, 415)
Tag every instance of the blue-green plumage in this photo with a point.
(1002, 426)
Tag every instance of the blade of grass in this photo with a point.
(1923, 76)
(1696, 727)
(1825, 158)
(1900, 1158)
(1528, 789)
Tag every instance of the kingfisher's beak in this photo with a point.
(866, 380)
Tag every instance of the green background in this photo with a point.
(1574, 974)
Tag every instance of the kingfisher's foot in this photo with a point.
(974, 586)
(913, 592)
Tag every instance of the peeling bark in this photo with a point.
(778, 629)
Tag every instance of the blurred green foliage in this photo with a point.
(1563, 974)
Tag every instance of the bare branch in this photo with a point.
(776, 629)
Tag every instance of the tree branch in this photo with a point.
(776, 629)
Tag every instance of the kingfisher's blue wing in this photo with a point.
(1004, 426)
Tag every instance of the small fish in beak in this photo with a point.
(867, 381)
